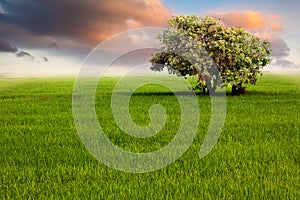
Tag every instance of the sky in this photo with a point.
(53, 37)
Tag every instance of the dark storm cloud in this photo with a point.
(86, 21)
(5, 46)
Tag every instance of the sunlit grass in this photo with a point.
(42, 157)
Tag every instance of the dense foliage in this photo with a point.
(238, 55)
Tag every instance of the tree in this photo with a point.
(238, 55)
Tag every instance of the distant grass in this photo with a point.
(42, 157)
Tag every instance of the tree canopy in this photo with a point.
(239, 55)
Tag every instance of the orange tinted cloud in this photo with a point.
(276, 27)
(124, 15)
(250, 20)
(89, 21)
(274, 17)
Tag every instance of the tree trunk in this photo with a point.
(238, 89)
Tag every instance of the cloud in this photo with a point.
(280, 47)
(21, 54)
(250, 20)
(276, 27)
(24, 54)
(53, 45)
(5, 46)
(1, 9)
(44, 59)
(73, 27)
(89, 21)
(284, 63)
(280, 50)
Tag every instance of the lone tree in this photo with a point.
(238, 55)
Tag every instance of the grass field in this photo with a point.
(42, 156)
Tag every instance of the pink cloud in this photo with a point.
(276, 27)
(250, 20)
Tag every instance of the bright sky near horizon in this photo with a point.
(53, 36)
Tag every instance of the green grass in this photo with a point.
(42, 156)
